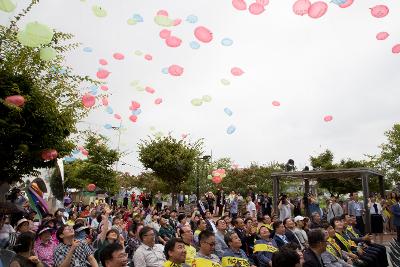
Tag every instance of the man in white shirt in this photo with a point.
(251, 207)
(285, 208)
(148, 253)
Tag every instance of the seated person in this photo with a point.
(234, 255)
(264, 247)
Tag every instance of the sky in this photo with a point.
(329, 66)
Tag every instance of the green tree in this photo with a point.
(98, 168)
(171, 160)
(52, 105)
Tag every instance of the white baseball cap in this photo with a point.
(298, 218)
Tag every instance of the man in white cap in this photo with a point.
(299, 232)
(21, 227)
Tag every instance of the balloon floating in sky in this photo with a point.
(256, 8)
(194, 45)
(396, 49)
(103, 62)
(276, 103)
(162, 13)
(148, 57)
(328, 118)
(347, 3)
(192, 19)
(15, 100)
(47, 53)
(206, 98)
(317, 9)
(136, 111)
(133, 118)
(88, 100)
(7, 5)
(379, 11)
(84, 152)
(131, 21)
(236, 71)
(164, 70)
(137, 18)
(104, 101)
(173, 41)
(104, 87)
(175, 70)
(49, 154)
(300, 7)
(109, 110)
(339, 2)
(87, 49)
(239, 4)
(102, 74)
(158, 101)
(98, 11)
(108, 126)
(382, 36)
(164, 34)
(163, 21)
(263, 2)
(35, 35)
(135, 105)
(196, 102)
(118, 56)
(150, 90)
(117, 116)
(226, 42)
(203, 34)
(228, 111)
(176, 22)
(91, 187)
(138, 53)
(225, 82)
(231, 129)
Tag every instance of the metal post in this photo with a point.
(365, 178)
(197, 182)
(381, 186)
(275, 189)
(306, 192)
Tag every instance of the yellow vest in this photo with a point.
(190, 254)
(201, 262)
(233, 261)
(169, 263)
(334, 248)
(264, 247)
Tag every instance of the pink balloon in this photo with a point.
(203, 34)
(176, 22)
(104, 87)
(49, 154)
(184, 136)
(379, 11)
(256, 8)
(263, 2)
(175, 70)
(135, 105)
(382, 36)
(216, 179)
(164, 34)
(88, 100)
(133, 118)
(162, 13)
(317, 9)
(347, 4)
(148, 57)
(118, 56)
(158, 101)
(16, 100)
(103, 62)
(236, 71)
(239, 4)
(149, 90)
(300, 7)
(173, 41)
(85, 152)
(102, 74)
(276, 103)
(328, 118)
(104, 100)
(396, 49)
(117, 116)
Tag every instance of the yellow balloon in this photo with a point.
(7, 5)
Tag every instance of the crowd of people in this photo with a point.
(216, 230)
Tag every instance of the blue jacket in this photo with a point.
(264, 257)
(396, 213)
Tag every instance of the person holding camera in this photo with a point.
(285, 208)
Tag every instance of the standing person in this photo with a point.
(24, 256)
(220, 201)
(113, 255)
(175, 253)
(317, 242)
(313, 205)
(266, 205)
(375, 210)
(210, 201)
(125, 200)
(192, 198)
(251, 207)
(334, 209)
(356, 208)
(181, 199)
(220, 245)
(70, 252)
(285, 208)
(234, 207)
(158, 201)
(149, 253)
(396, 217)
(391, 200)
(205, 254)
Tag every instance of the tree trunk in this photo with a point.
(174, 197)
(4, 188)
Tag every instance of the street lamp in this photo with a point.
(203, 159)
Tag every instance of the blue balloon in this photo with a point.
(137, 18)
(69, 159)
(87, 49)
(338, 2)
(109, 110)
(228, 111)
(75, 151)
(231, 129)
(136, 111)
(226, 42)
(194, 45)
(108, 126)
(192, 19)
(164, 70)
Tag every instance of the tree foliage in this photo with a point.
(98, 168)
(52, 102)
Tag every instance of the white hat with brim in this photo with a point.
(21, 222)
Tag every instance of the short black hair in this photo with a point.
(106, 252)
(285, 220)
(276, 224)
(144, 231)
(335, 219)
(205, 234)
(170, 245)
(236, 220)
(24, 242)
(315, 236)
(199, 222)
(181, 217)
(219, 220)
(285, 257)
(60, 232)
(248, 219)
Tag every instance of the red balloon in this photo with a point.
(88, 100)
(49, 154)
(85, 152)
(91, 187)
(216, 179)
(16, 100)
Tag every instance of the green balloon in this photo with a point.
(47, 53)
(35, 35)
(138, 53)
(131, 21)
(135, 83)
(98, 11)
(140, 88)
(7, 5)
(206, 98)
(225, 82)
(196, 102)
(209, 177)
(163, 21)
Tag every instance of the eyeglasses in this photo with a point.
(210, 244)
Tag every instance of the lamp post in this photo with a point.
(203, 160)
